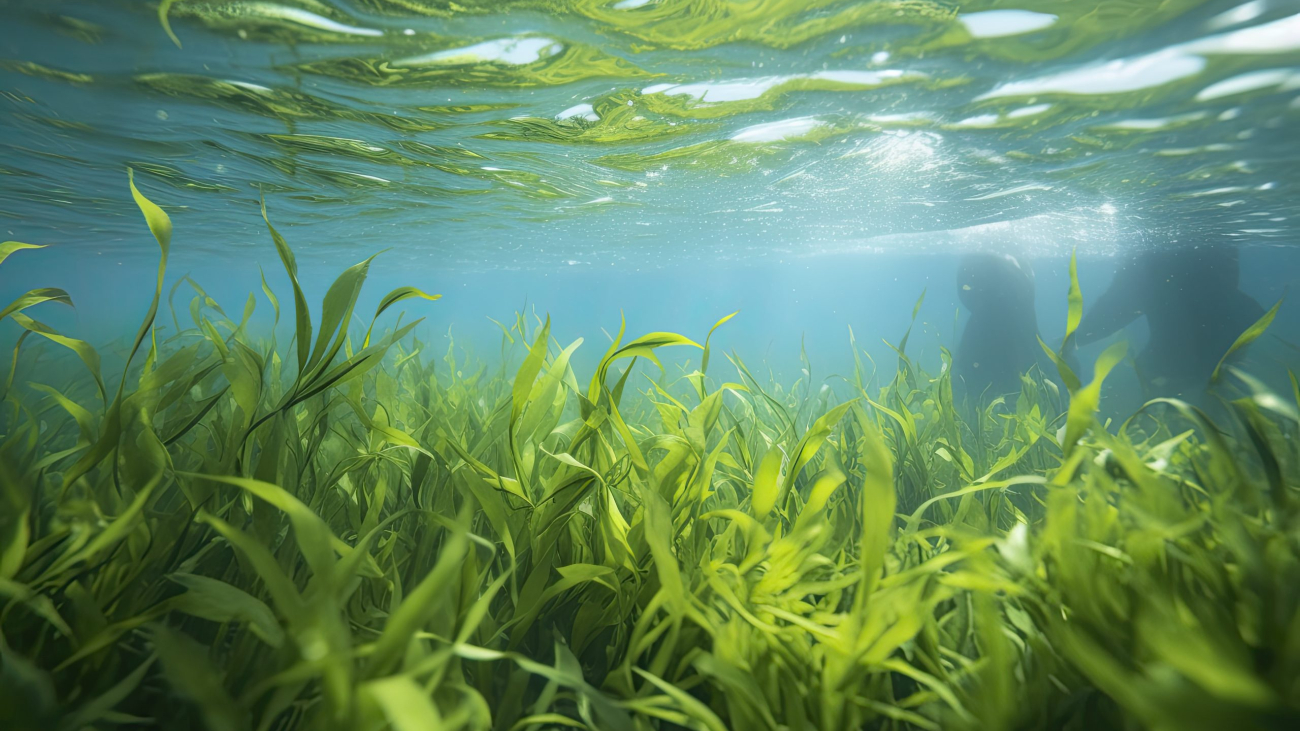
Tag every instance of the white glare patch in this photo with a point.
(1028, 111)
(1252, 81)
(982, 120)
(1114, 77)
(1218, 191)
(880, 57)
(1106, 209)
(1162, 67)
(630, 4)
(865, 78)
(778, 131)
(371, 178)
(1241, 14)
(319, 22)
(250, 87)
(506, 51)
(726, 91)
(1184, 151)
(746, 89)
(993, 120)
(999, 23)
(1279, 36)
(582, 111)
(904, 118)
(1159, 123)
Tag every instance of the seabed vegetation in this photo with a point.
(343, 532)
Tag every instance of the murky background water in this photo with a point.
(815, 164)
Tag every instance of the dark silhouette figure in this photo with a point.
(1194, 309)
(1000, 341)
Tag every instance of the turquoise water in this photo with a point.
(814, 165)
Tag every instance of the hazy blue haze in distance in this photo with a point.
(842, 222)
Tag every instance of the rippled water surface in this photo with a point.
(545, 132)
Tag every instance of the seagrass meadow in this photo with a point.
(343, 531)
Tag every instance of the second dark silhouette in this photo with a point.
(1194, 310)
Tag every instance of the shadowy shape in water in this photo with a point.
(1194, 310)
(1000, 340)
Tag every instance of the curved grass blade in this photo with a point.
(302, 315)
(35, 297)
(1250, 335)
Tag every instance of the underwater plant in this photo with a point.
(341, 532)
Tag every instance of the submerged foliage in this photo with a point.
(344, 533)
